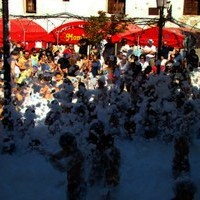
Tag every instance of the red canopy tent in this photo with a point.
(25, 30)
(131, 29)
(70, 32)
(193, 34)
(174, 37)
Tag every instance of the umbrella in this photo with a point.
(25, 30)
(173, 37)
(192, 36)
(131, 29)
(70, 32)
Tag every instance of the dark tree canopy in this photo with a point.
(99, 27)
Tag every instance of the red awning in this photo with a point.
(131, 29)
(188, 32)
(173, 37)
(25, 30)
(70, 32)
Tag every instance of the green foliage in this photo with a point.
(98, 27)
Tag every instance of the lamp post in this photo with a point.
(161, 5)
(6, 49)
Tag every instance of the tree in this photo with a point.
(98, 27)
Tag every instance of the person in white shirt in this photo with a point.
(125, 47)
(149, 50)
(143, 62)
(123, 64)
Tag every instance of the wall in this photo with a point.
(134, 8)
(139, 8)
(77, 7)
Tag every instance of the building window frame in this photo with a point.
(116, 6)
(153, 11)
(191, 7)
(31, 6)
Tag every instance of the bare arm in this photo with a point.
(54, 159)
(56, 163)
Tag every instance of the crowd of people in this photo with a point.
(77, 82)
(88, 64)
(47, 68)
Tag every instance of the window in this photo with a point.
(116, 6)
(153, 11)
(30, 6)
(191, 7)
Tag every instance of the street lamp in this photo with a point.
(161, 5)
(6, 49)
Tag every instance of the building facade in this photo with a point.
(186, 11)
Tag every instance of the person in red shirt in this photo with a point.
(69, 50)
(154, 68)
